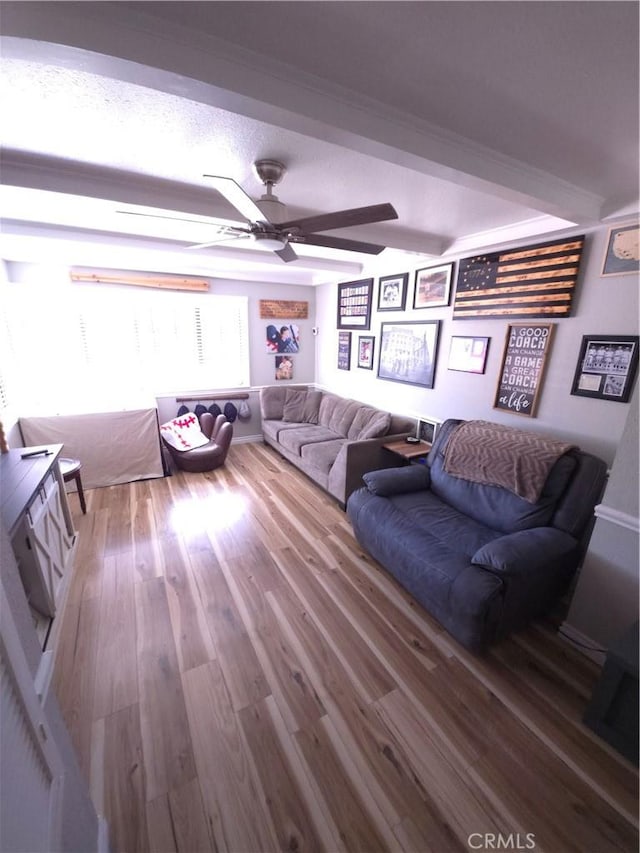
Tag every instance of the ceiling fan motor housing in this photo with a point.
(269, 171)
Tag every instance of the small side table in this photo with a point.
(410, 452)
(70, 470)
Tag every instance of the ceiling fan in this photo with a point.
(267, 224)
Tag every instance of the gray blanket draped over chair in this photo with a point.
(498, 455)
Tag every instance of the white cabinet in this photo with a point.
(35, 513)
(45, 804)
(43, 546)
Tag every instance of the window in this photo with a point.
(89, 348)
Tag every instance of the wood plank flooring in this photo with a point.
(237, 675)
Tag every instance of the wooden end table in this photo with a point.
(410, 452)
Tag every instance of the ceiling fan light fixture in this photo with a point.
(270, 241)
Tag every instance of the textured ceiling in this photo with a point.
(479, 121)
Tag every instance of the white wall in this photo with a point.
(262, 363)
(601, 305)
(605, 601)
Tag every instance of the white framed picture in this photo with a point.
(427, 429)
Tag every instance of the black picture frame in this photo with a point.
(354, 304)
(607, 367)
(392, 292)
(344, 350)
(366, 350)
(432, 287)
(409, 351)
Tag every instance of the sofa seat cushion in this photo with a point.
(443, 523)
(322, 454)
(432, 562)
(295, 439)
(273, 429)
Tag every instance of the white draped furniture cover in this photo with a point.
(113, 447)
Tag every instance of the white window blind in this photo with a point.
(86, 349)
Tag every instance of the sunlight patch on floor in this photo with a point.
(194, 515)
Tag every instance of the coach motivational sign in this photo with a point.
(525, 353)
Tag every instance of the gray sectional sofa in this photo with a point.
(482, 559)
(333, 440)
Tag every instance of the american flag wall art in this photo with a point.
(529, 282)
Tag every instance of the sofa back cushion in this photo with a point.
(496, 506)
(337, 413)
(272, 400)
(293, 408)
(369, 423)
(311, 409)
(301, 406)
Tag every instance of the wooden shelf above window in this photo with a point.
(161, 282)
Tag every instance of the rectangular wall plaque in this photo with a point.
(283, 309)
(525, 353)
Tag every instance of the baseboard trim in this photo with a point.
(247, 439)
(583, 643)
(616, 516)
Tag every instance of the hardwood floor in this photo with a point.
(237, 675)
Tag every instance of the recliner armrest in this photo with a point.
(396, 481)
(525, 550)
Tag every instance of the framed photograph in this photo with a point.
(426, 430)
(468, 355)
(344, 350)
(392, 292)
(366, 346)
(623, 252)
(284, 337)
(526, 349)
(354, 304)
(433, 287)
(408, 352)
(284, 367)
(606, 368)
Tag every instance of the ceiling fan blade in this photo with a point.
(223, 238)
(338, 243)
(341, 219)
(287, 254)
(234, 194)
(161, 216)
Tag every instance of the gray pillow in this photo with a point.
(293, 409)
(377, 426)
(311, 410)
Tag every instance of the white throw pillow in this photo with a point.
(184, 433)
